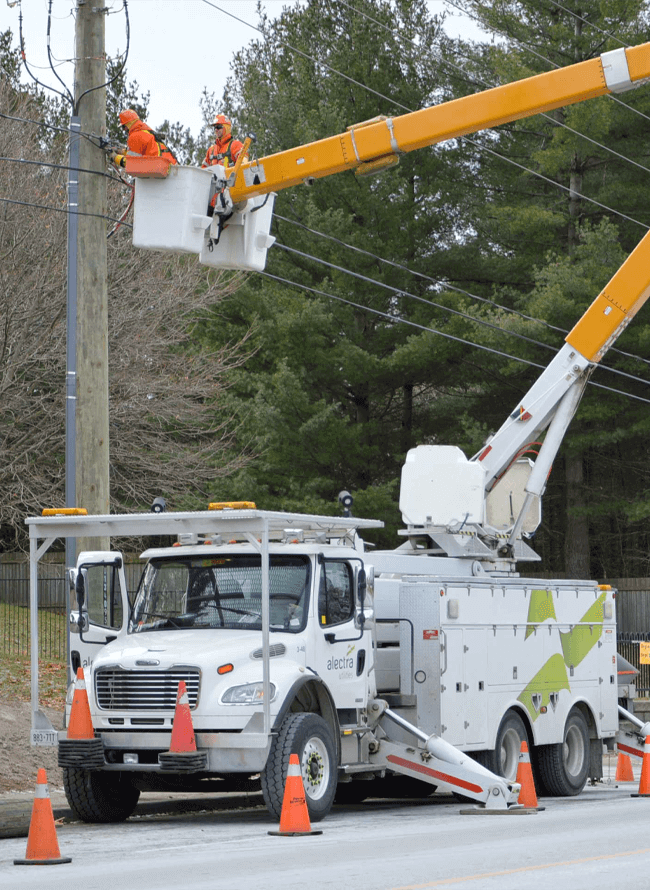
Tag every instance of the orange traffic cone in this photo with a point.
(81, 724)
(42, 845)
(624, 768)
(183, 738)
(80, 748)
(294, 818)
(182, 752)
(644, 784)
(527, 795)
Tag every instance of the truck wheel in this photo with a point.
(504, 760)
(563, 767)
(308, 736)
(98, 796)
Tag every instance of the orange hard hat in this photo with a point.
(220, 120)
(128, 117)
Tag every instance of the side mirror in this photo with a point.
(78, 622)
(80, 590)
(362, 586)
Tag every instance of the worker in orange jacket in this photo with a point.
(225, 150)
(141, 140)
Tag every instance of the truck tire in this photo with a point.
(308, 736)
(563, 767)
(98, 796)
(504, 760)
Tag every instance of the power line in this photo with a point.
(448, 286)
(530, 49)
(405, 108)
(63, 210)
(471, 141)
(400, 292)
(61, 167)
(398, 320)
(310, 58)
(587, 22)
(92, 137)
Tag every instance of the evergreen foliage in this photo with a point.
(334, 395)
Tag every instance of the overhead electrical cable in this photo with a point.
(63, 210)
(471, 141)
(447, 285)
(610, 96)
(398, 320)
(400, 292)
(62, 167)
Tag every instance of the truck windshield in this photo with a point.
(221, 591)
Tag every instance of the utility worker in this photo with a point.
(141, 141)
(225, 149)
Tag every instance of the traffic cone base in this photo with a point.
(527, 795)
(644, 783)
(294, 818)
(42, 843)
(624, 768)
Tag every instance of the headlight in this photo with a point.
(249, 694)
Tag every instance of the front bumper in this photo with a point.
(225, 752)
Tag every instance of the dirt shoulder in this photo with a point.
(20, 761)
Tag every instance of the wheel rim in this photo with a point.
(573, 751)
(315, 768)
(510, 748)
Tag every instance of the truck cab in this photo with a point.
(265, 642)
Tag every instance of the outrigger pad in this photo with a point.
(183, 761)
(510, 811)
(81, 753)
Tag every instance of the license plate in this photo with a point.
(45, 737)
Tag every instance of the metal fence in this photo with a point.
(632, 608)
(629, 646)
(52, 607)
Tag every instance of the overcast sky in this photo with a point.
(177, 47)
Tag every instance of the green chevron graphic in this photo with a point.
(540, 609)
(577, 643)
(551, 678)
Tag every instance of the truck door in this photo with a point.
(100, 609)
(341, 653)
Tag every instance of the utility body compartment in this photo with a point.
(469, 650)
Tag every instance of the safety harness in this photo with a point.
(217, 156)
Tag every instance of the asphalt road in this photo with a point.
(598, 840)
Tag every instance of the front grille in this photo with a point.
(119, 690)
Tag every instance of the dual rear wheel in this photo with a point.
(560, 769)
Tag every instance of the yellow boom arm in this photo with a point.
(378, 140)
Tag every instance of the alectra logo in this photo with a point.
(340, 664)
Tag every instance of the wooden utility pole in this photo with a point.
(91, 426)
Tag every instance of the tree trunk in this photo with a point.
(576, 541)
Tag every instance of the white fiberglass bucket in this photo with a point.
(171, 213)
